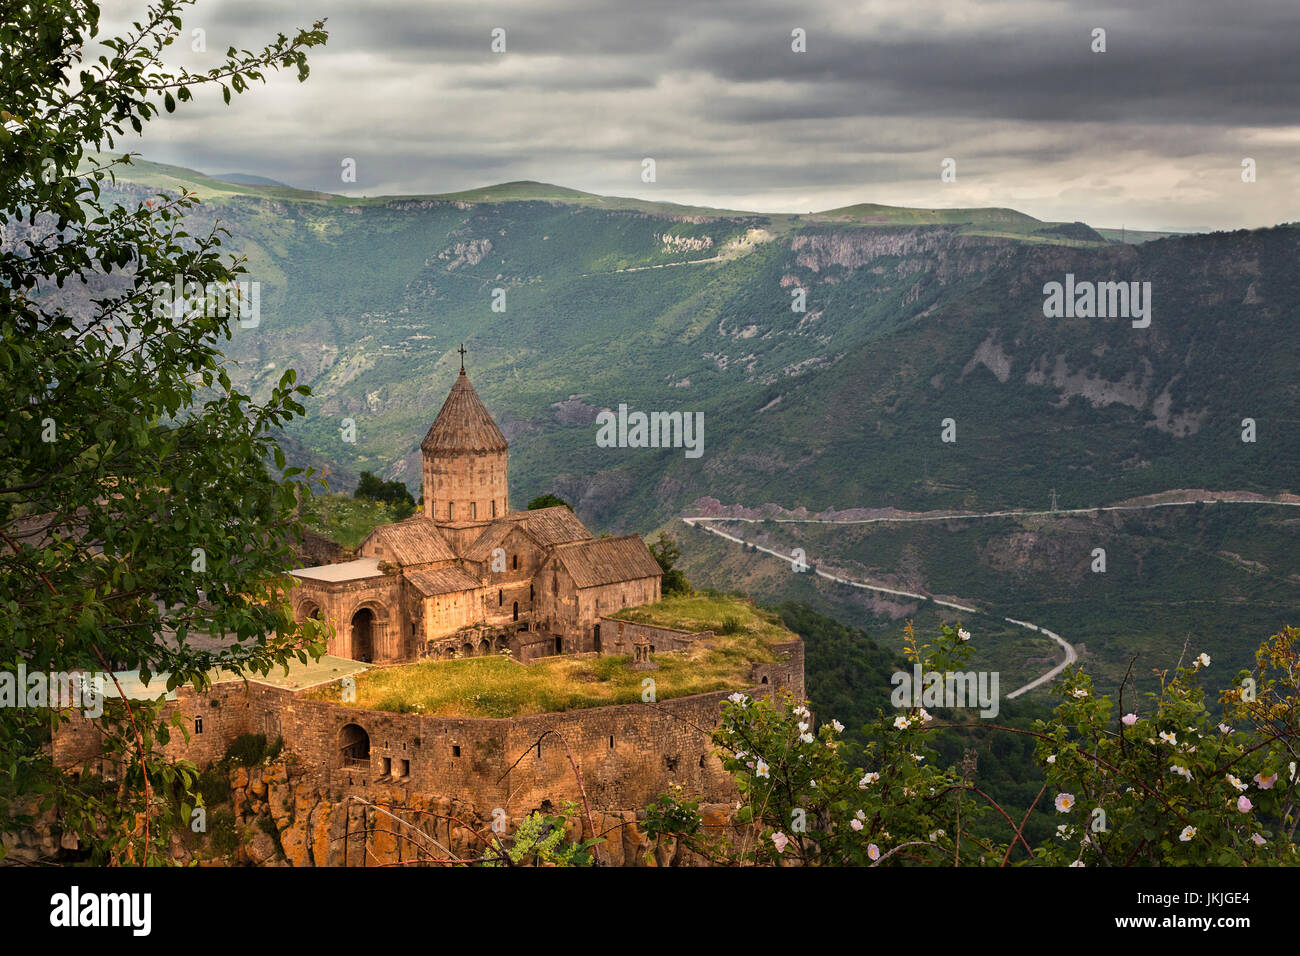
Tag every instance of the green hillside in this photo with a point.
(912, 317)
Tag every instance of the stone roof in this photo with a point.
(413, 541)
(442, 581)
(545, 526)
(464, 423)
(607, 561)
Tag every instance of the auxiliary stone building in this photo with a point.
(467, 576)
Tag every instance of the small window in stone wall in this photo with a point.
(455, 751)
(198, 725)
(386, 766)
(611, 741)
(514, 562)
(404, 768)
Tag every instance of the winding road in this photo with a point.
(1071, 655)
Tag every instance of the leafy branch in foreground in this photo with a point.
(136, 507)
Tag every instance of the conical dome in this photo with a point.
(464, 424)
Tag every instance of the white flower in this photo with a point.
(1168, 737)
(935, 834)
(1077, 863)
(867, 780)
(762, 769)
(780, 839)
(738, 698)
(963, 634)
(801, 711)
(1079, 692)
(925, 717)
(1203, 660)
(1064, 802)
(1224, 729)
(1257, 839)
(803, 726)
(1129, 719)
(900, 723)
(861, 814)
(873, 851)
(1263, 782)
(806, 738)
(1181, 771)
(1236, 783)
(1187, 834)
(917, 757)
(839, 728)
(856, 824)
(1051, 758)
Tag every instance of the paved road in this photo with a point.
(1071, 655)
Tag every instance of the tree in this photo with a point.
(136, 506)
(666, 551)
(390, 492)
(548, 501)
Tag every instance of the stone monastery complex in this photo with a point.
(467, 576)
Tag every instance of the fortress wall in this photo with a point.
(628, 754)
(617, 636)
(227, 711)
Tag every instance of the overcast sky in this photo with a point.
(1150, 134)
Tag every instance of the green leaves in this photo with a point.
(102, 520)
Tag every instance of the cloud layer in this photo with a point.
(1149, 134)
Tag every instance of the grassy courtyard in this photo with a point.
(499, 687)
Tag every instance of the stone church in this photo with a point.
(467, 576)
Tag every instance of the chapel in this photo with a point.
(466, 576)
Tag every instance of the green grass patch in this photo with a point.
(499, 687)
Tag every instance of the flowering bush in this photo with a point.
(1169, 783)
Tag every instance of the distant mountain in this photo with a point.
(912, 316)
(247, 179)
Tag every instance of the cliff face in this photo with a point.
(282, 820)
(278, 817)
(908, 317)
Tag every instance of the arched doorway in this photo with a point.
(595, 638)
(363, 635)
(485, 647)
(354, 746)
(467, 650)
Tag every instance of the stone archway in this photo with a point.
(370, 634)
(308, 609)
(354, 746)
(363, 635)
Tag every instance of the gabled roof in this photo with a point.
(442, 581)
(607, 561)
(546, 527)
(492, 536)
(549, 526)
(464, 423)
(413, 541)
